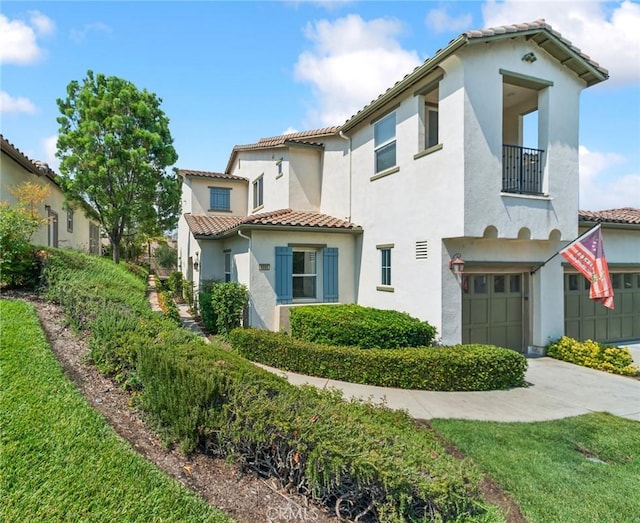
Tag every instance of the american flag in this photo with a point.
(586, 254)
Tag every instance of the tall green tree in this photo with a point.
(114, 145)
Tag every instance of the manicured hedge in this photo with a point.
(589, 353)
(463, 367)
(364, 327)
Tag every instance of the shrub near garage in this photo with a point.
(364, 327)
(589, 353)
(463, 367)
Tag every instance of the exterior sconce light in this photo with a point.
(456, 264)
(529, 57)
(196, 264)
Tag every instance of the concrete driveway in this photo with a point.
(557, 390)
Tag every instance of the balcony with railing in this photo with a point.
(522, 169)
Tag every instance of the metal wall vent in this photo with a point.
(421, 250)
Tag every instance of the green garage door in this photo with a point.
(492, 310)
(587, 319)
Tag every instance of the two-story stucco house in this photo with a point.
(68, 226)
(381, 210)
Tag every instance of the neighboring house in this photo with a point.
(68, 226)
(437, 169)
(586, 319)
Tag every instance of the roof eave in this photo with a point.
(607, 225)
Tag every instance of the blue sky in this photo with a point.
(232, 72)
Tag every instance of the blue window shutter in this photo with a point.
(330, 274)
(284, 275)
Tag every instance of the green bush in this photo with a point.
(462, 367)
(349, 455)
(174, 283)
(166, 256)
(364, 327)
(228, 301)
(207, 313)
(589, 353)
(19, 262)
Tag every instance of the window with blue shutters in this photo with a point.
(219, 199)
(330, 275)
(297, 274)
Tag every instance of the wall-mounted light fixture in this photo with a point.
(196, 264)
(529, 57)
(456, 264)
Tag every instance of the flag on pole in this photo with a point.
(586, 254)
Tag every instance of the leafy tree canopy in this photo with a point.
(114, 144)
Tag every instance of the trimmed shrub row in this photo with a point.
(364, 327)
(589, 353)
(356, 458)
(458, 368)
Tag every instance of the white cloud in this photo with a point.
(609, 34)
(9, 104)
(41, 23)
(290, 130)
(440, 21)
(79, 35)
(601, 190)
(18, 39)
(49, 146)
(351, 63)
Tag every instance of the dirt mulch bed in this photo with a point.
(245, 497)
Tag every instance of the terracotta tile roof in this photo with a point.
(623, 215)
(209, 174)
(302, 137)
(201, 225)
(210, 225)
(538, 31)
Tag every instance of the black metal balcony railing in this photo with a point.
(522, 170)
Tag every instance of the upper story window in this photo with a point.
(279, 166)
(384, 132)
(431, 132)
(258, 192)
(385, 267)
(69, 220)
(219, 199)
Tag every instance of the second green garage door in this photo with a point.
(492, 310)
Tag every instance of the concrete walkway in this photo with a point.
(556, 390)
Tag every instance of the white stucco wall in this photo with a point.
(196, 193)
(262, 312)
(305, 178)
(264, 162)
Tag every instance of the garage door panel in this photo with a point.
(588, 319)
(498, 310)
(479, 311)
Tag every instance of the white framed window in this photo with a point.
(384, 138)
(305, 274)
(385, 267)
(227, 266)
(258, 192)
(219, 199)
(430, 117)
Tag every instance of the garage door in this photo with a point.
(588, 319)
(492, 310)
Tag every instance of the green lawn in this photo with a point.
(545, 465)
(60, 461)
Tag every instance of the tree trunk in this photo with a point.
(115, 250)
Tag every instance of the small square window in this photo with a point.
(219, 199)
(480, 284)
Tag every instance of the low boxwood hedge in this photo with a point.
(458, 368)
(589, 353)
(364, 327)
